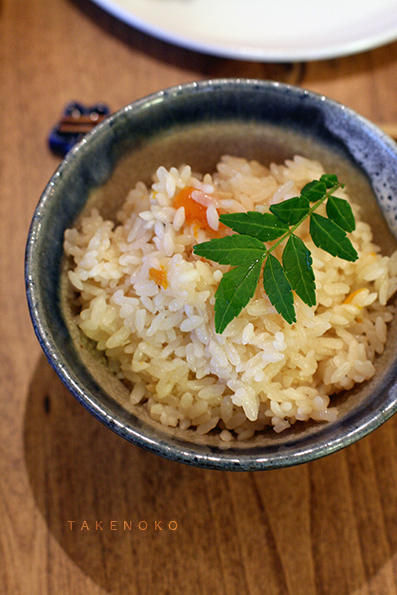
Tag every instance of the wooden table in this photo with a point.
(68, 485)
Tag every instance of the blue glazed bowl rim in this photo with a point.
(354, 428)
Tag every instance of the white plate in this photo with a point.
(266, 30)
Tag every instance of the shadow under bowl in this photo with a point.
(196, 124)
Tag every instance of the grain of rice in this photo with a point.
(179, 218)
(137, 393)
(226, 436)
(212, 217)
(207, 426)
(248, 333)
(191, 323)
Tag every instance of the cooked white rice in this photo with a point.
(148, 303)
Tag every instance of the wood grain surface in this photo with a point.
(81, 510)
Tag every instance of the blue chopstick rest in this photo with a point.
(76, 121)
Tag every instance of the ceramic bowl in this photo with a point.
(197, 123)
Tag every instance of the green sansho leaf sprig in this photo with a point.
(246, 251)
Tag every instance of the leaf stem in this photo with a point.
(311, 210)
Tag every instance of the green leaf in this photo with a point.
(297, 262)
(340, 212)
(278, 289)
(233, 250)
(330, 237)
(314, 191)
(330, 180)
(292, 210)
(246, 251)
(234, 292)
(263, 226)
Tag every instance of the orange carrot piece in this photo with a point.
(194, 211)
(159, 276)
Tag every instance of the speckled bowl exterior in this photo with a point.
(196, 124)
